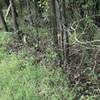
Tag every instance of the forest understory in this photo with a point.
(28, 71)
(49, 49)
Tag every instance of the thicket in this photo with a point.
(49, 49)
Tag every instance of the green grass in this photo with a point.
(21, 79)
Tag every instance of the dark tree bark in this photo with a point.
(54, 29)
(29, 12)
(14, 17)
(7, 2)
(15, 24)
(3, 21)
(60, 35)
(65, 37)
(21, 7)
(97, 10)
(54, 23)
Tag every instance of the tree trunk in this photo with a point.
(14, 17)
(97, 10)
(29, 12)
(7, 2)
(54, 23)
(3, 21)
(54, 29)
(15, 24)
(65, 36)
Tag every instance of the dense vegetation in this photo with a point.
(49, 49)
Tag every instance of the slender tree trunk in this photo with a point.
(55, 29)
(21, 7)
(97, 11)
(36, 19)
(3, 21)
(65, 36)
(7, 2)
(14, 17)
(15, 24)
(29, 12)
(54, 23)
(60, 35)
(49, 12)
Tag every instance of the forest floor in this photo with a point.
(27, 73)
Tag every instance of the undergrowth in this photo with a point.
(22, 79)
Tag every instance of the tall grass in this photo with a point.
(21, 79)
